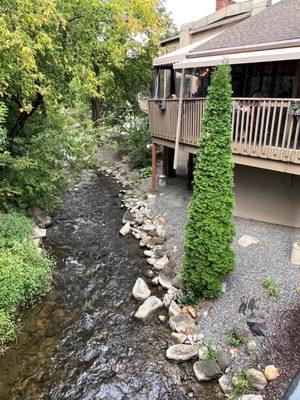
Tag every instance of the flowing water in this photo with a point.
(81, 342)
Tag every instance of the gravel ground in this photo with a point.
(268, 258)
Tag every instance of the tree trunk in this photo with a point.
(96, 103)
(23, 117)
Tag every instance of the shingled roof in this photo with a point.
(279, 22)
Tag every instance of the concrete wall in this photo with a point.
(262, 195)
(267, 196)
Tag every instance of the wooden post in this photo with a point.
(190, 168)
(178, 128)
(154, 172)
(165, 161)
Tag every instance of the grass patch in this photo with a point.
(25, 270)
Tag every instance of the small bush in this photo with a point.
(241, 386)
(210, 230)
(136, 143)
(234, 340)
(270, 284)
(188, 298)
(210, 353)
(25, 270)
(144, 173)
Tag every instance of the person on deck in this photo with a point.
(201, 91)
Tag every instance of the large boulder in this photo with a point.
(181, 352)
(182, 323)
(165, 277)
(223, 359)
(41, 218)
(148, 307)
(206, 370)
(256, 378)
(161, 263)
(39, 233)
(174, 309)
(140, 290)
(125, 229)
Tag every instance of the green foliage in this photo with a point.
(25, 270)
(45, 164)
(188, 298)
(144, 172)
(270, 284)
(136, 142)
(234, 340)
(76, 49)
(210, 230)
(210, 353)
(241, 386)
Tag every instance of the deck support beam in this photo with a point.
(154, 169)
(178, 127)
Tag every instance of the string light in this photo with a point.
(204, 73)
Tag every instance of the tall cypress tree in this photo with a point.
(210, 230)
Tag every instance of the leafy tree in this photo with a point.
(58, 51)
(210, 230)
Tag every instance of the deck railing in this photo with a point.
(261, 127)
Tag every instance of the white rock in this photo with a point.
(174, 309)
(225, 384)
(162, 318)
(161, 263)
(148, 307)
(125, 229)
(295, 257)
(148, 226)
(256, 378)
(168, 297)
(151, 261)
(149, 253)
(247, 240)
(155, 281)
(181, 352)
(164, 281)
(251, 397)
(160, 230)
(140, 290)
(179, 337)
(182, 323)
(39, 233)
(198, 337)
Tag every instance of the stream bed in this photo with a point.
(81, 342)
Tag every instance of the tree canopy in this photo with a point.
(59, 51)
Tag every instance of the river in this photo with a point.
(81, 342)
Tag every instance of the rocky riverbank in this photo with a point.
(233, 359)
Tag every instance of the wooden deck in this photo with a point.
(265, 131)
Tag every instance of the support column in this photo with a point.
(165, 161)
(154, 170)
(190, 170)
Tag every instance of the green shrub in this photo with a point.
(144, 172)
(270, 284)
(233, 339)
(210, 353)
(188, 298)
(210, 230)
(25, 270)
(44, 167)
(241, 386)
(136, 141)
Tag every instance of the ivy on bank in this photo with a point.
(210, 230)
